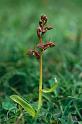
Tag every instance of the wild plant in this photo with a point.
(38, 52)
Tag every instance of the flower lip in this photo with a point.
(35, 53)
(51, 44)
(45, 46)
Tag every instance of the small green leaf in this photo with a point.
(24, 104)
(8, 105)
(49, 90)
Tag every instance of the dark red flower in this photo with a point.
(45, 29)
(42, 29)
(44, 19)
(50, 44)
(45, 46)
(34, 53)
(39, 32)
(40, 23)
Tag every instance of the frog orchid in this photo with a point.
(37, 52)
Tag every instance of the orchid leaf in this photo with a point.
(27, 107)
(49, 90)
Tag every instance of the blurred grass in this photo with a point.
(19, 73)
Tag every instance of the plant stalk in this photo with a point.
(40, 84)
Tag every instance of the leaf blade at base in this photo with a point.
(24, 104)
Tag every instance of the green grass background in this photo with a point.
(20, 74)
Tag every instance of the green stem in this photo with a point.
(40, 84)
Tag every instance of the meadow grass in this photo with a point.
(18, 73)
